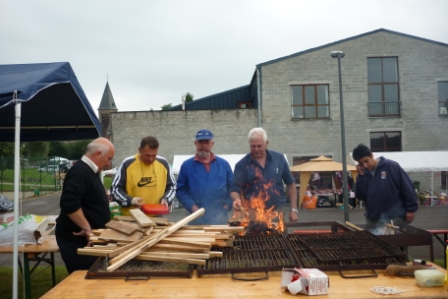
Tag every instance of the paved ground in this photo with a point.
(426, 218)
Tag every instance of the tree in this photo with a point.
(188, 97)
(57, 148)
(166, 106)
(76, 149)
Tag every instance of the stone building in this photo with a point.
(395, 88)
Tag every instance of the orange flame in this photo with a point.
(254, 208)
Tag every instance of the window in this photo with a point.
(443, 179)
(383, 86)
(244, 105)
(385, 141)
(310, 101)
(442, 88)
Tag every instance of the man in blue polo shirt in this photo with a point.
(204, 182)
(261, 174)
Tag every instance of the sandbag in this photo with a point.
(28, 224)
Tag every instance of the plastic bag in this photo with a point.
(28, 224)
(6, 205)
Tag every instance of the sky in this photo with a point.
(154, 52)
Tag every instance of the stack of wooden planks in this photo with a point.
(155, 239)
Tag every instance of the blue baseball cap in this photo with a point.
(204, 135)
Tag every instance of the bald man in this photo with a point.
(84, 204)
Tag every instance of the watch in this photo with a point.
(295, 210)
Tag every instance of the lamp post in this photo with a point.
(339, 55)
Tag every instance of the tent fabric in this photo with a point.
(319, 164)
(424, 161)
(54, 106)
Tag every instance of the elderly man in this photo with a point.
(144, 178)
(261, 174)
(84, 204)
(204, 182)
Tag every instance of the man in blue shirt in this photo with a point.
(204, 182)
(261, 174)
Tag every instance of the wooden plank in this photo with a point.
(122, 227)
(141, 218)
(125, 218)
(193, 239)
(130, 254)
(171, 247)
(171, 260)
(185, 243)
(353, 225)
(112, 235)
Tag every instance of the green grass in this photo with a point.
(31, 180)
(40, 284)
(107, 182)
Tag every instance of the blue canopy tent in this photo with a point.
(54, 108)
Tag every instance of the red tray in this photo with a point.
(154, 209)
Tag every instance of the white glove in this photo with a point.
(136, 201)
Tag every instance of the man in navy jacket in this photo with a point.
(385, 187)
(204, 182)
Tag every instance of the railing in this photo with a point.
(384, 108)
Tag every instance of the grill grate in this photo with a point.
(252, 254)
(348, 246)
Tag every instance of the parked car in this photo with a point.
(49, 168)
(58, 160)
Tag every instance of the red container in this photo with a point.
(154, 209)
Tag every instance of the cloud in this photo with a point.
(153, 52)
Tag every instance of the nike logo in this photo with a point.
(144, 181)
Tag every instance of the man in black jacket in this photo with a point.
(84, 204)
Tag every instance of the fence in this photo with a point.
(37, 177)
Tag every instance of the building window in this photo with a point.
(244, 105)
(443, 179)
(383, 85)
(385, 141)
(310, 101)
(442, 88)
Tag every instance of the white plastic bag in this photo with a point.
(27, 225)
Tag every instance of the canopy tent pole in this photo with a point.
(16, 197)
(432, 187)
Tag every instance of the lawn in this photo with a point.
(40, 284)
(31, 179)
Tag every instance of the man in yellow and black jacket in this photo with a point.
(144, 178)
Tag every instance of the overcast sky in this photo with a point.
(153, 52)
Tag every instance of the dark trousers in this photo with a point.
(72, 260)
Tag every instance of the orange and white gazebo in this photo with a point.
(319, 164)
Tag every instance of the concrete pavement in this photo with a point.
(426, 218)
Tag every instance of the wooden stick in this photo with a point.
(171, 260)
(130, 254)
(353, 225)
(148, 231)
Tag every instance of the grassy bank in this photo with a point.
(40, 284)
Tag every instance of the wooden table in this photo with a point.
(37, 253)
(223, 286)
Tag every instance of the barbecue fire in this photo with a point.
(255, 216)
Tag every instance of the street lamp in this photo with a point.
(339, 55)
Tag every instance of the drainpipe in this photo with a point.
(259, 96)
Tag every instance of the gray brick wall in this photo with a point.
(421, 64)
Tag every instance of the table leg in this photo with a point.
(53, 271)
(26, 276)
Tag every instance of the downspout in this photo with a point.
(259, 96)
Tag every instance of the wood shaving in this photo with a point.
(386, 290)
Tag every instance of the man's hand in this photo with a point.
(293, 216)
(237, 204)
(360, 169)
(410, 217)
(136, 201)
(86, 233)
(164, 202)
(194, 208)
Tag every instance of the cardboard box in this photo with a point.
(6, 217)
(305, 281)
